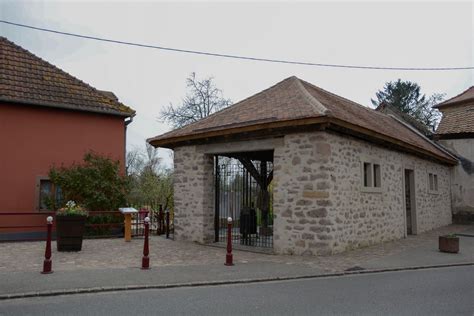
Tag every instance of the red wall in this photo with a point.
(33, 138)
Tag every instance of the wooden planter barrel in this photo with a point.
(69, 232)
(449, 244)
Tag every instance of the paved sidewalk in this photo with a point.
(114, 264)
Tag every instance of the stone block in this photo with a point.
(319, 212)
(316, 194)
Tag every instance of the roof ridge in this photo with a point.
(414, 130)
(404, 116)
(366, 108)
(447, 102)
(230, 107)
(93, 90)
(317, 105)
(294, 102)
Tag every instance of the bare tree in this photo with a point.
(153, 161)
(148, 180)
(202, 99)
(134, 161)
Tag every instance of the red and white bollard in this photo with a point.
(228, 256)
(47, 263)
(146, 250)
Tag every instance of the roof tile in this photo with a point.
(294, 99)
(465, 96)
(457, 119)
(26, 78)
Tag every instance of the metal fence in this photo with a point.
(23, 226)
(238, 195)
(161, 220)
(31, 226)
(101, 224)
(104, 224)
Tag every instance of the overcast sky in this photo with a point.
(425, 34)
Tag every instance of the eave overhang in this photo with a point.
(280, 128)
(69, 107)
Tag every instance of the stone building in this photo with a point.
(456, 132)
(316, 174)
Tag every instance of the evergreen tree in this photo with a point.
(406, 96)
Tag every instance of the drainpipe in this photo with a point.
(127, 121)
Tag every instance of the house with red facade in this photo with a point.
(48, 117)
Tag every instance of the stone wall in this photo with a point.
(319, 204)
(462, 176)
(193, 195)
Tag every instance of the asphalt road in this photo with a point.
(445, 291)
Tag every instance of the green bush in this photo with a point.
(104, 230)
(95, 184)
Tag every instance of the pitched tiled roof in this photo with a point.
(458, 114)
(457, 120)
(27, 79)
(294, 102)
(465, 96)
(389, 109)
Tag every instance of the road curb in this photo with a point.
(216, 283)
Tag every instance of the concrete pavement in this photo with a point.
(106, 265)
(425, 255)
(446, 291)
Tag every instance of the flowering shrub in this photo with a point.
(96, 183)
(72, 208)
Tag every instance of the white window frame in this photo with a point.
(372, 163)
(432, 182)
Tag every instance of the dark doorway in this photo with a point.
(243, 191)
(410, 205)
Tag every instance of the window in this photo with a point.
(367, 174)
(377, 180)
(48, 194)
(432, 182)
(372, 181)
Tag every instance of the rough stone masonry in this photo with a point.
(319, 204)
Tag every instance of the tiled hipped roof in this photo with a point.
(457, 120)
(294, 102)
(389, 109)
(458, 114)
(27, 79)
(465, 96)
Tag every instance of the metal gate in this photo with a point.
(246, 196)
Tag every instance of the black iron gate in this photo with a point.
(246, 196)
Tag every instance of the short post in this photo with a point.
(47, 263)
(146, 250)
(167, 224)
(228, 256)
(127, 213)
(160, 220)
(128, 227)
